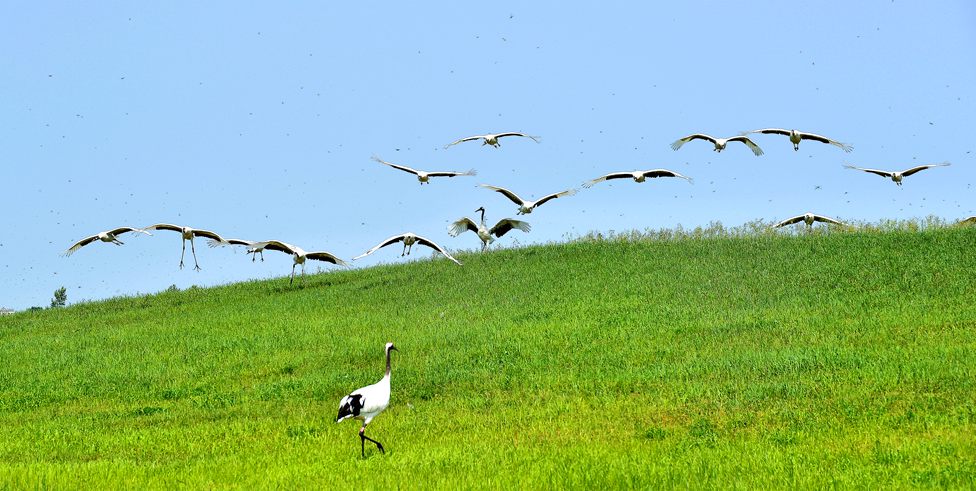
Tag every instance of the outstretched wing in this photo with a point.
(770, 131)
(325, 256)
(749, 143)
(789, 221)
(165, 226)
(272, 245)
(971, 219)
(921, 168)
(461, 225)
(391, 240)
(614, 175)
(395, 166)
(823, 139)
(122, 230)
(515, 133)
(697, 136)
(217, 243)
(568, 192)
(432, 245)
(506, 225)
(78, 245)
(821, 218)
(445, 173)
(665, 173)
(208, 234)
(882, 173)
(465, 139)
(508, 194)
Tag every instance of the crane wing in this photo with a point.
(78, 245)
(749, 143)
(697, 136)
(458, 227)
(327, 257)
(789, 221)
(613, 175)
(506, 225)
(882, 173)
(971, 219)
(508, 194)
(921, 168)
(470, 172)
(824, 139)
(391, 240)
(665, 173)
(821, 218)
(208, 234)
(770, 131)
(122, 230)
(432, 245)
(568, 192)
(395, 166)
(273, 245)
(217, 243)
(165, 226)
(515, 133)
(465, 139)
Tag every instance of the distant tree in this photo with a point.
(35, 309)
(60, 297)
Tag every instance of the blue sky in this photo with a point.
(258, 122)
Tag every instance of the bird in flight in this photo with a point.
(106, 236)
(719, 143)
(897, 176)
(797, 136)
(526, 207)
(637, 175)
(492, 138)
(424, 176)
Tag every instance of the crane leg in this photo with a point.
(292, 274)
(363, 438)
(117, 242)
(193, 249)
(404, 253)
(183, 254)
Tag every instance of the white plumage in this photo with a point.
(188, 234)
(797, 136)
(424, 176)
(808, 218)
(637, 176)
(526, 207)
(487, 235)
(492, 138)
(367, 403)
(719, 143)
(106, 236)
(897, 176)
(408, 239)
(298, 254)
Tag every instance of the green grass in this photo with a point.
(843, 359)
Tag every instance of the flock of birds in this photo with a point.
(367, 402)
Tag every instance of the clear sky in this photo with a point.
(258, 121)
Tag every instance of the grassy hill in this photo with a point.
(768, 360)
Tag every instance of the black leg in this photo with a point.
(183, 254)
(292, 274)
(193, 249)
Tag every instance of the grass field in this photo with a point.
(844, 359)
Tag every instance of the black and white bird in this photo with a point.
(967, 221)
(897, 176)
(719, 143)
(298, 254)
(408, 239)
(367, 403)
(487, 235)
(241, 242)
(424, 176)
(106, 236)
(797, 136)
(526, 207)
(188, 234)
(637, 176)
(492, 138)
(808, 218)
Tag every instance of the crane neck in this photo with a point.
(387, 364)
(482, 216)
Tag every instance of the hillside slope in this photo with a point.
(847, 358)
